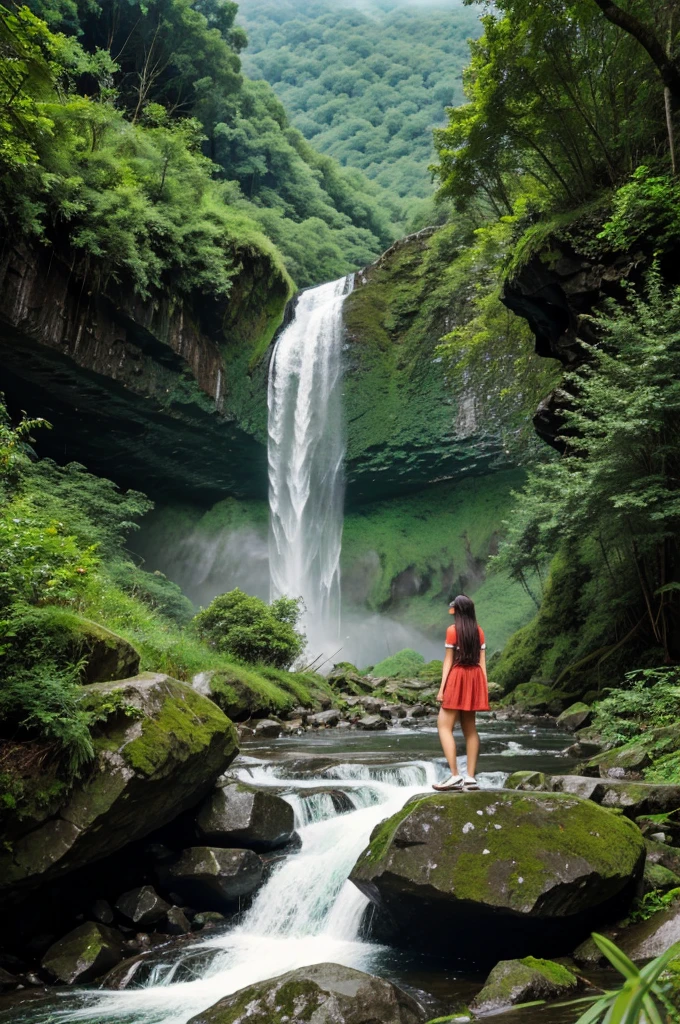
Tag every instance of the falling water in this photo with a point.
(306, 451)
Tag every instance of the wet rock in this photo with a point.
(371, 705)
(207, 919)
(241, 815)
(324, 718)
(176, 922)
(9, 982)
(348, 681)
(142, 907)
(372, 723)
(574, 717)
(506, 868)
(294, 726)
(660, 853)
(267, 727)
(640, 942)
(386, 711)
(522, 981)
(495, 691)
(208, 877)
(656, 876)
(418, 711)
(323, 993)
(633, 798)
(148, 770)
(84, 954)
(102, 911)
(526, 781)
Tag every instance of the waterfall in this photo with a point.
(306, 449)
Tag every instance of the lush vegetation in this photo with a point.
(132, 143)
(250, 630)
(365, 84)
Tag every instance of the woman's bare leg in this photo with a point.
(469, 727)
(445, 725)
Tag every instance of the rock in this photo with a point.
(529, 781)
(107, 655)
(535, 697)
(656, 876)
(177, 923)
(102, 911)
(660, 853)
(268, 728)
(640, 942)
(324, 718)
(632, 757)
(241, 815)
(143, 907)
(208, 877)
(8, 982)
(294, 726)
(207, 919)
(495, 691)
(148, 769)
(371, 705)
(84, 954)
(522, 981)
(386, 711)
(372, 723)
(348, 681)
(575, 716)
(506, 868)
(418, 711)
(320, 994)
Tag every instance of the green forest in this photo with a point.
(503, 181)
(366, 84)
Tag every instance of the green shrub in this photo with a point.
(400, 665)
(647, 695)
(154, 589)
(250, 630)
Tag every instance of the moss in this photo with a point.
(381, 837)
(558, 974)
(186, 722)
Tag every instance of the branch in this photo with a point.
(667, 68)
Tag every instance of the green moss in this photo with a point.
(381, 836)
(186, 722)
(558, 974)
(404, 664)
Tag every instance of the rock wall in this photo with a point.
(160, 394)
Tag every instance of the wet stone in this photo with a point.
(84, 954)
(209, 877)
(241, 815)
(143, 906)
(176, 922)
(324, 718)
(102, 911)
(268, 728)
(372, 723)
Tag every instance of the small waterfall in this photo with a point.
(306, 450)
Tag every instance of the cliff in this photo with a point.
(158, 394)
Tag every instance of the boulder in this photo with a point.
(633, 798)
(346, 680)
(575, 716)
(418, 711)
(207, 919)
(522, 981)
(177, 922)
(640, 942)
(371, 705)
(142, 907)
(155, 757)
(241, 815)
(526, 781)
(320, 994)
(102, 911)
(506, 868)
(372, 723)
(495, 691)
(84, 954)
(208, 878)
(268, 728)
(238, 700)
(9, 982)
(324, 718)
(630, 759)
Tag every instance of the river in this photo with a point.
(307, 912)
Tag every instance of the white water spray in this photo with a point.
(306, 451)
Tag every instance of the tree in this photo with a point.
(250, 630)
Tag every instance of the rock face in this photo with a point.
(208, 877)
(240, 815)
(505, 867)
(84, 954)
(175, 381)
(155, 758)
(107, 656)
(522, 981)
(321, 994)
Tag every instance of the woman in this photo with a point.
(463, 692)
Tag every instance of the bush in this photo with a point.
(650, 695)
(248, 629)
(402, 664)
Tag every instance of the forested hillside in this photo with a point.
(365, 83)
(133, 136)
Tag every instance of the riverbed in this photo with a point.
(341, 783)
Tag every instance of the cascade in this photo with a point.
(306, 448)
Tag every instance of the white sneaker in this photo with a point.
(453, 783)
(470, 783)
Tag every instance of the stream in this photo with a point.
(307, 912)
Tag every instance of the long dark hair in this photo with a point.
(468, 647)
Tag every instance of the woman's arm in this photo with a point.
(482, 662)
(448, 662)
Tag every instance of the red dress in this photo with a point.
(465, 688)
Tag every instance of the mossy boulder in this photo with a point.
(632, 758)
(527, 781)
(575, 716)
(320, 994)
(522, 981)
(84, 954)
(631, 797)
(241, 815)
(507, 869)
(158, 752)
(210, 878)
